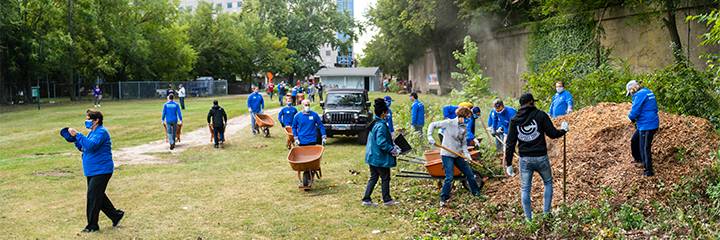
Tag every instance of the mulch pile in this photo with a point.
(599, 156)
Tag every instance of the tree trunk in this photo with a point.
(671, 26)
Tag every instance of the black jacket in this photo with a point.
(219, 118)
(528, 129)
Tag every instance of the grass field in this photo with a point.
(246, 190)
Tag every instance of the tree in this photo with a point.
(393, 62)
(475, 84)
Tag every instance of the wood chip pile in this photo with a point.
(599, 156)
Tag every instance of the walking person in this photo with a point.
(270, 90)
(644, 113)
(294, 94)
(98, 167)
(281, 92)
(286, 114)
(320, 89)
(562, 101)
(380, 153)
(388, 116)
(255, 104)
(171, 118)
(311, 91)
(454, 139)
(306, 125)
(169, 91)
(528, 130)
(417, 113)
(499, 123)
(181, 95)
(97, 93)
(217, 119)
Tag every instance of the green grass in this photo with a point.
(246, 190)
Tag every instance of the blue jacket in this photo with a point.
(294, 92)
(379, 145)
(417, 113)
(305, 125)
(449, 111)
(281, 89)
(388, 119)
(255, 102)
(286, 115)
(501, 120)
(560, 103)
(171, 112)
(96, 152)
(470, 127)
(644, 110)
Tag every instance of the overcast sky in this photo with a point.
(361, 7)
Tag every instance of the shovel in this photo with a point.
(468, 159)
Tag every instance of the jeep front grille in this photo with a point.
(343, 118)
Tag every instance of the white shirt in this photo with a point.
(181, 92)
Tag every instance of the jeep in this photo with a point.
(346, 112)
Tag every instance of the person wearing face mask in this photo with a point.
(470, 122)
(97, 162)
(499, 123)
(380, 153)
(281, 92)
(388, 118)
(171, 118)
(644, 113)
(294, 94)
(528, 130)
(255, 104)
(286, 114)
(562, 101)
(454, 139)
(417, 113)
(305, 126)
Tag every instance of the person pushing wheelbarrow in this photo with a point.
(219, 120)
(171, 119)
(305, 126)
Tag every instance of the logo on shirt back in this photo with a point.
(528, 133)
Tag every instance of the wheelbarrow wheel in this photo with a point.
(266, 130)
(307, 178)
(478, 180)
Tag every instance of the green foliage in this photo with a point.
(393, 62)
(630, 217)
(563, 35)
(475, 85)
(682, 89)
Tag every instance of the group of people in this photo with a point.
(525, 128)
(312, 88)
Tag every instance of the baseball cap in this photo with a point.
(388, 99)
(526, 98)
(629, 86)
(465, 105)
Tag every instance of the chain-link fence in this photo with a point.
(134, 90)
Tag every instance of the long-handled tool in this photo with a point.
(468, 159)
(505, 145)
(564, 171)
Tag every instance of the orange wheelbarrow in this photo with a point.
(290, 138)
(434, 167)
(265, 122)
(306, 161)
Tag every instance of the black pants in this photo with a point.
(219, 132)
(384, 174)
(182, 103)
(97, 200)
(641, 146)
(294, 100)
(320, 95)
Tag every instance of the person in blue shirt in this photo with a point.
(294, 94)
(305, 126)
(388, 116)
(255, 104)
(286, 114)
(470, 123)
(644, 113)
(562, 101)
(417, 113)
(281, 92)
(98, 167)
(499, 123)
(380, 153)
(171, 118)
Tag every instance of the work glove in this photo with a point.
(431, 140)
(499, 131)
(395, 151)
(324, 140)
(467, 156)
(509, 171)
(565, 126)
(180, 122)
(297, 142)
(249, 110)
(477, 142)
(489, 129)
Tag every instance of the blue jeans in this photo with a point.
(499, 146)
(528, 166)
(171, 130)
(448, 165)
(252, 122)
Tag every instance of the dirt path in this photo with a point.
(143, 154)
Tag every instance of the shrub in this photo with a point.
(475, 84)
(630, 217)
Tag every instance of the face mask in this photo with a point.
(306, 109)
(388, 103)
(88, 124)
(560, 89)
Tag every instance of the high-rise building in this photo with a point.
(225, 5)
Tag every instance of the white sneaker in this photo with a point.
(390, 203)
(369, 204)
(443, 204)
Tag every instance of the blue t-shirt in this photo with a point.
(286, 115)
(255, 102)
(644, 110)
(560, 103)
(417, 113)
(171, 112)
(305, 127)
(96, 150)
